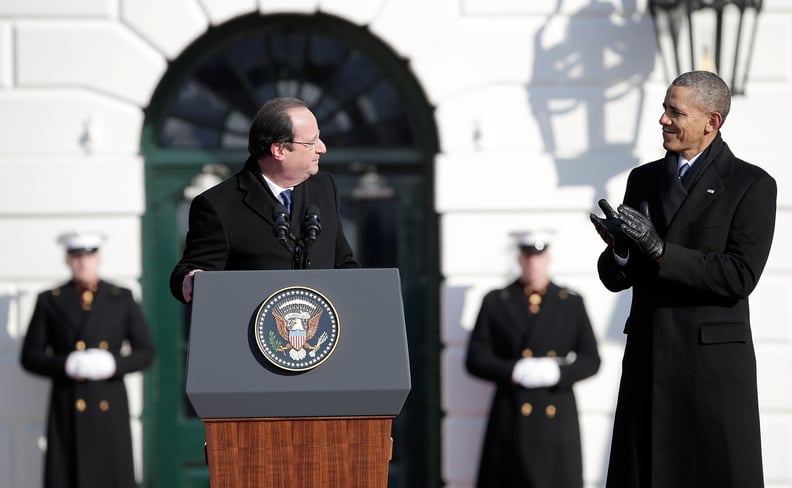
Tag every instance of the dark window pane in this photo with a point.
(179, 133)
(200, 104)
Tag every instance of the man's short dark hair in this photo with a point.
(272, 124)
(710, 91)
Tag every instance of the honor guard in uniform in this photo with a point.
(85, 335)
(533, 339)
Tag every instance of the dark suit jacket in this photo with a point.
(88, 435)
(533, 436)
(231, 227)
(687, 413)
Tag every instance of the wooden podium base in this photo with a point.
(343, 452)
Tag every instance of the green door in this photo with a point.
(381, 139)
(173, 436)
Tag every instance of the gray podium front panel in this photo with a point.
(367, 374)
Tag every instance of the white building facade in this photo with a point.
(549, 103)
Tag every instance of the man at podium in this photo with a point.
(278, 212)
(277, 220)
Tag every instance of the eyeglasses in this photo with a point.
(311, 145)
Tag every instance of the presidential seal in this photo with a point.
(296, 328)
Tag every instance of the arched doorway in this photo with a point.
(381, 138)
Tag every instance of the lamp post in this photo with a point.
(711, 35)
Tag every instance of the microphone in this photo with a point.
(312, 225)
(281, 225)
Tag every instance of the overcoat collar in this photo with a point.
(673, 192)
(256, 193)
(68, 303)
(74, 317)
(532, 323)
(705, 185)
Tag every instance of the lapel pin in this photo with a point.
(710, 191)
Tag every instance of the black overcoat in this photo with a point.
(687, 414)
(532, 437)
(88, 434)
(231, 227)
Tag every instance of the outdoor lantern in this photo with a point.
(711, 35)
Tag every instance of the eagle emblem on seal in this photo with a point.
(296, 328)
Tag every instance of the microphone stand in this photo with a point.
(282, 231)
(311, 230)
(298, 255)
(297, 247)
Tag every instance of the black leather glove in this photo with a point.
(638, 227)
(609, 228)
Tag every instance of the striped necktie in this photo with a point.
(286, 197)
(683, 171)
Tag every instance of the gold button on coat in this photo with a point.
(80, 405)
(550, 411)
(526, 409)
(527, 352)
(80, 346)
(104, 406)
(104, 345)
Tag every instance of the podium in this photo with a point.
(297, 375)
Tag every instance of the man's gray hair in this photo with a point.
(710, 92)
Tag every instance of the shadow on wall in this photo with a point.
(583, 69)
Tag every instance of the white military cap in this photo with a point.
(81, 241)
(532, 242)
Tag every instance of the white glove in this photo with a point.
(74, 364)
(99, 364)
(536, 372)
(92, 364)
